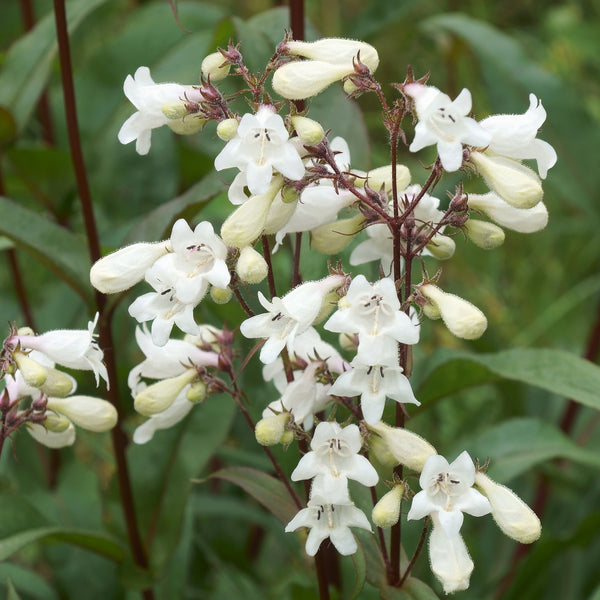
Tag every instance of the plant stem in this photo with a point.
(118, 437)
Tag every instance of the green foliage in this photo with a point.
(204, 493)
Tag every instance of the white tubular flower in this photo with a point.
(447, 491)
(514, 136)
(463, 319)
(373, 310)
(449, 558)
(124, 268)
(333, 460)
(289, 316)
(511, 514)
(170, 360)
(169, 417)
(523, 220)
(261, 145)
(332, 521)
(71, 348)
(149, 98)
(51, 439)
(445, 123)
(200, 254)
(87, 412)
(386, 513)
(406, 448)
(374, 383)
(513, 182)
(331, 60)
(162, 306)
(302, 397)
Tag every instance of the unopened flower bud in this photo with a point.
(511, 514)
(270, 430)
(308, 130)
(187, 125)
(124, 268)
(332, 238)
(251, 267)
(52, 439)
(57, 383)
(215, 66)
(281, 210)
(404, 446)
(523, 220)
(349, 86)
(327, 306)
(386, 512)
(463, 319)
(227, 129)
(382, 178)
(335, 50)
(33, 373)
(159, 396)
(196, 392)
(25, 331)
(174, 110)
(441, 246)
(56, 422)
(348, 341)
(88, 412)
(484, 234)
(221, 295)
(243, 226)
(517, 184)
(301, 80)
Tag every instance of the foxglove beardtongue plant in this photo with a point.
(291, 178)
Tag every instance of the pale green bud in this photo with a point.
(174, 110)
(187, 126)
(227, 129)
(221, 295)
(57, 384)
(515, 183)
(382, 178)
(308, 130)
(270, 430)
(484, 234)
(334, 237)
(56, 422)
(159, 396)
(33, 373)
(328, 305)
(88, 412)
(511, 514)
(215, 66)
(386, 512)
(287, 438)
(349, 86)
(281, 210)
(348, 341)
(25, 331)
(243, 226)
(251, 267)
(196, 392)
(463, 319)
(335, 50)
(404, 446)
(441, 246)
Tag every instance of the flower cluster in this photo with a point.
(30, 376)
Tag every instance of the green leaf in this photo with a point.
(516, 445)
(270, 492)
(412, 589)
(12, 593)
(360, 566)
(89, 540)
(156, 225)
(28, 63)
(8, 126)
(64, 253)
(375, 567)
(556, 371)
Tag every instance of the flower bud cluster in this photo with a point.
(53, 410)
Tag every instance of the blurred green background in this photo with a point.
(538, 290)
